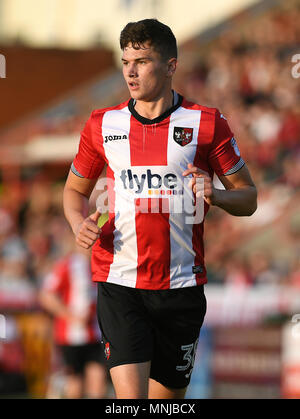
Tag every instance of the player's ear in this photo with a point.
(172, 64)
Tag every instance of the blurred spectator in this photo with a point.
(16, 287)
(262, 269)
(237, 273)
(295, 274)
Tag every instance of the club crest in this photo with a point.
(183, 136)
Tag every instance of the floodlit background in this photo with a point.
(61, 60)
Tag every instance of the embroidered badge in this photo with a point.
(183, 136)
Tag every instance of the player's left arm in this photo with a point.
(239, 197)
(240, 194)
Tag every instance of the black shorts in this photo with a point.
(161, 326)
(76, 357)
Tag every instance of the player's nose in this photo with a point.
(132, 70)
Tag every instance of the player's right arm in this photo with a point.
(77, 191)
(85, 171)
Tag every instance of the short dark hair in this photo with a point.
(159, 35)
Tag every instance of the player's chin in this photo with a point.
(141, 95)
(136, 94)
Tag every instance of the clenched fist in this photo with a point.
(88, 231)
(205, 189)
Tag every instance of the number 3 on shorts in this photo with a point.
(189, 357)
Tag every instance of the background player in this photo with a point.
(152, 269)
(70, 296)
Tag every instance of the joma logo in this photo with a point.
(115, 137)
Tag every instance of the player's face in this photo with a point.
(147, 75)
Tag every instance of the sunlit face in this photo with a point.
(147, 75)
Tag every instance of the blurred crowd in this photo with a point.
(31, 240)
(247, 74)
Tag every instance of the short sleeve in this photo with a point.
(89, 161)
(224, 156)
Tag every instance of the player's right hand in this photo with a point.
(88, 231)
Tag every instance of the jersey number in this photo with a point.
(189, 357)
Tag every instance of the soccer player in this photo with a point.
(148, 258)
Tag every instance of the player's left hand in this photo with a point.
(205, 189)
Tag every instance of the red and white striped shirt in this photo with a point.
(70, 280)
(147, 242)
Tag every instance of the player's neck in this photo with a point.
(155, 108)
